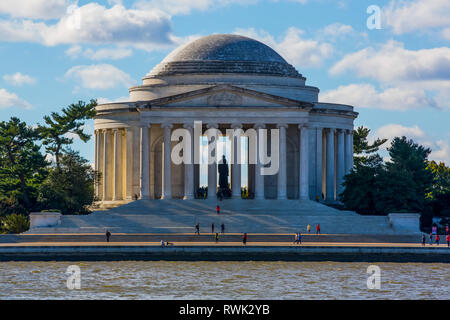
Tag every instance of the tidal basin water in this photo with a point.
(223, 280)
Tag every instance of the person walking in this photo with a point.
(448, 240)
(216, 237)
(218, 209)
(308, 228)
(299, 238)
(295, 238)
(437, 239)
(431, 238)
(197, 228)
(244, 239)
(108, 235)
(318, 229)
(222, 228)
(423, 240)
(212, 227)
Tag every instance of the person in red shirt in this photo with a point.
(437, 239)
(217, 209)
(244, 239)
(448, 240)
(318, 229)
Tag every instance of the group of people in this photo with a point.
(308, 228)
(434, 237)
(197, 228)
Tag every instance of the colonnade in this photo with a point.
(325, 156)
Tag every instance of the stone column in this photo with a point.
(319, 163)
(330, 165)
(212, 168)
(236, 165)
(144, 163)
(105, 166)
(304, 177)
(189, 168)
(97, 161)
(259, 179)
(282, 181)
(348, 151)
(340, 161)
(167, 181)
(115, 163)
(129, 164)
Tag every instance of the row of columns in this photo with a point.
(338, 162)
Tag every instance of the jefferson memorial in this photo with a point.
(224, 81)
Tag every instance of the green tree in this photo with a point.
(439, 192)
(70, 188)
(57, 126)
(23, 167)
(407, 179)
(362, 186)
(362, 149)
(15, 223)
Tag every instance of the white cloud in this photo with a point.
(392, 130)
(440, 149)
(179, 7)
(442, 152)
(34, 9)
(367, 96)
(337, 29)
(102, 100)
(99, 76)
(446, 33)
(11, 100)
(417, 15)
(293, 47)
(18, 79)
(100, 54)
(95, 24)
(392, 62)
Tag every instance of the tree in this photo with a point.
(362, 186)
(439, 192)
(362, 148)
(407, 180)
(55, 132)
(400, 185)
(69, 188)
(23, 167)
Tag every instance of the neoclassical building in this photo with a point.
(224, 81)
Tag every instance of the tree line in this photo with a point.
(29, 181)
(406, 182)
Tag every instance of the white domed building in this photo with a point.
(224, 81)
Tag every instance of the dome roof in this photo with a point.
(224, 53)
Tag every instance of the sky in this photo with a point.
(57, 52)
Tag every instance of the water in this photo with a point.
(223, 280)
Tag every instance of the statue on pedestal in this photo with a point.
(224, 189)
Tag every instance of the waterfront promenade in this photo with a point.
(189, 247)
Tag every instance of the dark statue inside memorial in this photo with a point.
(224, 189)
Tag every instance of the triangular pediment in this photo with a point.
(225, 96)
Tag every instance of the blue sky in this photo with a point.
(55, 52)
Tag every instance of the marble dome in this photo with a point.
(225, 53)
